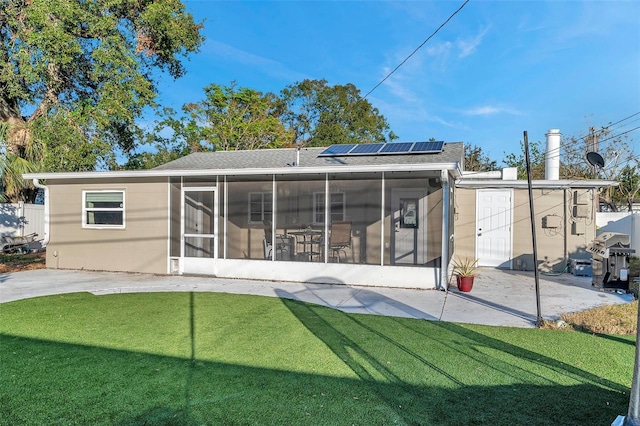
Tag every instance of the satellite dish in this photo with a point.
(595, 159)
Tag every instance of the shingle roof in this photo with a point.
(275, 158)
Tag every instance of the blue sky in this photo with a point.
(496, 69)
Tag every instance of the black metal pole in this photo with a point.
(533, 229)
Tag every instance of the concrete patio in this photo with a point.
(499, 297)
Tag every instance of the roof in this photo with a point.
(309, 157)
(282, 161)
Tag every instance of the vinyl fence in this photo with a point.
(21, 219)
(622, 222)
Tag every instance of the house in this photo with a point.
(368, 214)
(492, 221)
(492, 216)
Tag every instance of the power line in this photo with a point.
(575, 150)
(416, 49)
(570, 142)
(620, 121)
(619, 134)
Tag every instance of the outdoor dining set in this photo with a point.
(308, 243)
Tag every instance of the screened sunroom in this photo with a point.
(369, 214)
(379, 224)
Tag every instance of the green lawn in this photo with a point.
(206, 358)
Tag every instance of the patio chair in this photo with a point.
(282, 246)
(340, 239)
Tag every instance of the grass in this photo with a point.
(611, 319)
(208, 358)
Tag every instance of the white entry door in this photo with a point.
(493, 227)
(408, 240)
(199, 247)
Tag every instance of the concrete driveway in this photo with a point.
(499, 297)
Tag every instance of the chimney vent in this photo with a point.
(552, 156)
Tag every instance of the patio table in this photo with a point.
(308, 239)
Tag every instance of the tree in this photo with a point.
(629, 187)
(476, 160)
(619, 164)
(319, 115)
(84, 69)
(163, 153)
(536, 158)
(227, 119)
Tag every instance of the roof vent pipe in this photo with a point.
(552, 156)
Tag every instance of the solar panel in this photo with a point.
(335, 150)
(396, 148)
(390, 148)
(366, 148)
(423, 147)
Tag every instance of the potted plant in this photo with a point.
(465, 271)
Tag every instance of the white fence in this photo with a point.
(21, 219)
(623, 222)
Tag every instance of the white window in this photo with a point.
(337, 208)
(103, 209)
(260, 206)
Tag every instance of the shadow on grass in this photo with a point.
(446, 393)
(400, 371)
(627, 340)
(55, 383)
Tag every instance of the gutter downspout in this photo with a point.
(446, 211)
(45, 188)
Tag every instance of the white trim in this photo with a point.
(382, 215)
(216, 239)
(168, 226)
(509, 224)
(453, 167)
(122, 209)
(327, 215)
(327, 205)
(274, 209)
(47, 212)
(225, 225)
(188, 263)
(331, 273)
(262, 210)
(444, 250)
(536, 184)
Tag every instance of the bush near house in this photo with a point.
(634, 267)
(21, 262)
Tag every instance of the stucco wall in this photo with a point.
(464, 213)
(556, 245)
(141, 247)
(564, 219)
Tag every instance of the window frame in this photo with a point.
(268, 196)
(321, 194)
(85, 209)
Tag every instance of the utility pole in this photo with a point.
(594, 148)
(539, 318)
